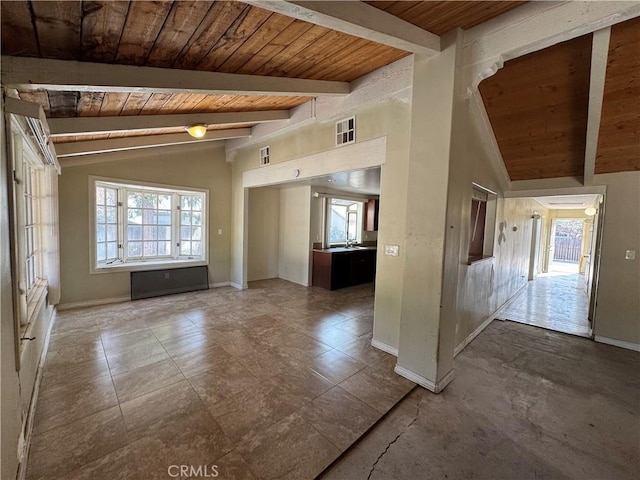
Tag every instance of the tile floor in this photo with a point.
(556, 301)
(526, 403)
(272, 382)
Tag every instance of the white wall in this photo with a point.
(264, 233)
(294, 246)
(617, 313)
(200, 167)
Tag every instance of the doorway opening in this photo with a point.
(563, 265)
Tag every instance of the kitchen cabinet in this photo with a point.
(371, 210)
(335, 268)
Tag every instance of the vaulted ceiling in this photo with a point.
(220, 36)
(539, 105)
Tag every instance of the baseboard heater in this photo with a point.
(156, 283)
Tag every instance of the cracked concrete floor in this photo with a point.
(526, 403)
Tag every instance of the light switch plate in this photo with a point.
(630, 255)
(391, 250)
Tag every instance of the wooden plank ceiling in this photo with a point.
(442, 17)
(538, 106)
(221, 36)
(619, 139)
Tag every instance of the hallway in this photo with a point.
(556, 301)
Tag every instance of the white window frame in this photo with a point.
(265, 156)
(359, 220)
(345, 134)
(30, 293)
(129, 264)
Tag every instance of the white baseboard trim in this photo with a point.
(22, 468)
(423, 382)
(238, 286)
(618, 343)
(384, 347)
(92, 303)
(220, 284)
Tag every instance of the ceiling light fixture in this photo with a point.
(197, 131)
(590, 211)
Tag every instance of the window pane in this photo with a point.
(112, 233)
(101, 234)
(164, 233)
(196, 218)
(134, 216)
(150, 233)
(164, 217)
(150, 249)
(338, 219)
(196, 203)
(112, 197)
(185, 233)
(186, 202)
(134, 200)
(186, 218)
(352, 226)
(101, 250)
(149, 200)
(100, 215)
(164, 202)
(112, 250)
(196, 248)
(100, 196)
(112, 214)
(134, 232)
(164, 248)
(196, 233)
(185, 248)
(135, 249)
(150, 217)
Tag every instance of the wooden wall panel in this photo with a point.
(538, 106)
(619, 137)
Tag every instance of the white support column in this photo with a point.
(425, 353)
(599, 56)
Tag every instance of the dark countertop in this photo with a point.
(344, 249)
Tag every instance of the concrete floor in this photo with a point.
(526, 403)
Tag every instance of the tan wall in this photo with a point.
(294, 247)
(389, 118)
(618, 309)
(264, 231)
(200, 168)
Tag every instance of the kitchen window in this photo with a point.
(481, 223)
(344, 221)
(139, 225)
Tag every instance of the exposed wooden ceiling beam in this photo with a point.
(535, 26)
(25, 73)
(360, 20)
(90, 147)
(97, 125)
(599, 57)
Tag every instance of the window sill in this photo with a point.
(476, 260)
(139, 266)
(35, 302)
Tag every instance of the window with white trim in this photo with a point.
(143, 224)
(344, 221)
(346, 131)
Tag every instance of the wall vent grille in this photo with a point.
(346, 131)
(265, 156)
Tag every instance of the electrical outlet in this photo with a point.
(391, 250)
(630, 255)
